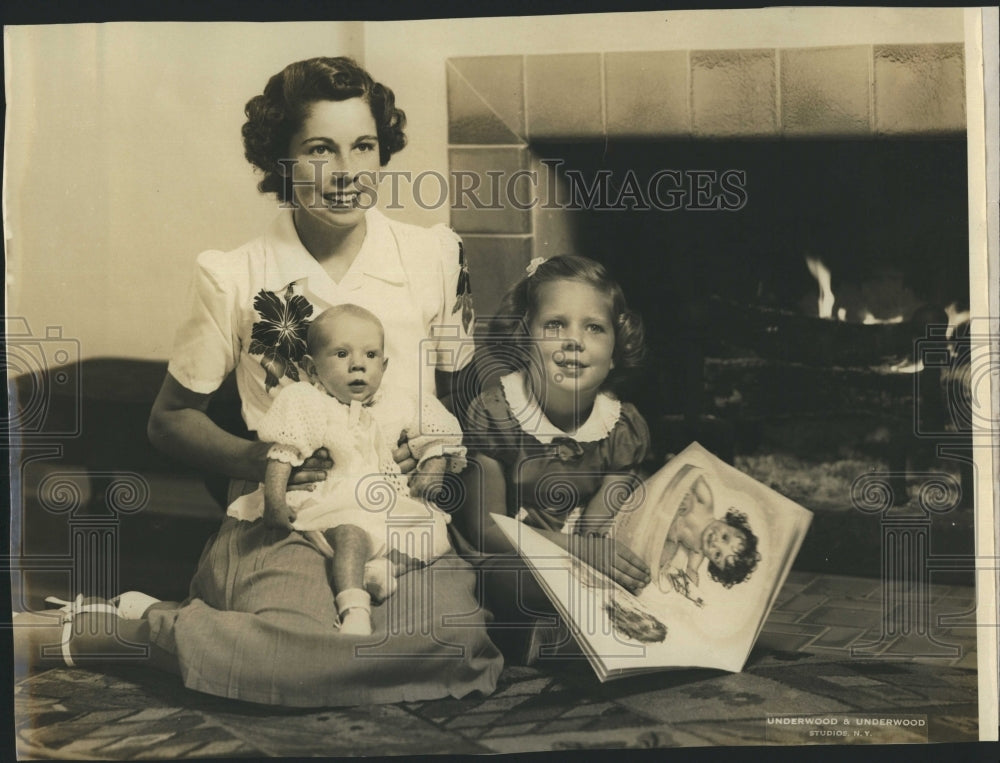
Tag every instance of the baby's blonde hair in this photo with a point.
(319, 328)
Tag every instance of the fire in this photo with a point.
(854, 305)
(956, 318)
(868, 319)
(822, 275)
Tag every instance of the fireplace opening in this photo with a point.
(870, 234)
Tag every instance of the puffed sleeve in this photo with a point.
(207, 343)
(453, 323)
(435, 433)
(295, 423)
(491, 429)
(628, 442)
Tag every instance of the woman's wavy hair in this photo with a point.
(509, 328)
(276, 115)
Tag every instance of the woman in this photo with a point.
(259, 624)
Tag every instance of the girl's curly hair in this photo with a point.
(746, 562)
(510, 325)
(276, 115)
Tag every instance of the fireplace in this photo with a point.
(791, 224)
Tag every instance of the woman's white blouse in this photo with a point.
(250, 305)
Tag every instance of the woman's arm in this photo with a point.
(180, 427)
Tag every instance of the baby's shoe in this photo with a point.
(380, 579)
(354, 606)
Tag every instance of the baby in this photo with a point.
(729, 544)
(364, 509)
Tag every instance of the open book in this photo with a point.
(718, 545)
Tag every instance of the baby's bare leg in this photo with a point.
(352, 547)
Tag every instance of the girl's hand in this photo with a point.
(313, 470)
(616, 560)
(278, 516)
(404, 458)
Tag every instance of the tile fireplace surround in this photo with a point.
(501, 109)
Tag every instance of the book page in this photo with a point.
(697, 505)
(705, 604)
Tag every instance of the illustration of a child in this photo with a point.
(729, 544)
(345, 409)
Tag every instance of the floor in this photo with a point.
(808, 665)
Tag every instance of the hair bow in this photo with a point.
(533, 265)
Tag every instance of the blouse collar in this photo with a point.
(289, 261)
(529, 415)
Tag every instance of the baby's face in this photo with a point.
(350, 359)
(722, 543)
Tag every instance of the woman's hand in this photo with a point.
(616, 560)
(180, 427)
(404, 458)
(313, 471)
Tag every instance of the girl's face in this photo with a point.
(336, 157)
(722, 543)
(576, 336)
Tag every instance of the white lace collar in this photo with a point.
(603, 417)
(375, 399)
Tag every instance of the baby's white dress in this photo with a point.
(365, 486)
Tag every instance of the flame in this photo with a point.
(868, 319)
(956, 318)
(908, 367)
(827, 301)
(822, 275)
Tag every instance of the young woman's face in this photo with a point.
(336, 157)
(576, 336)
(722, 543)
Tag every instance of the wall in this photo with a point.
(777, 73)
(123, 157)
(123, 161)
(645, 111)
(419, 77)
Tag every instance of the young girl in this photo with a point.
(345, 409)
(549, 443)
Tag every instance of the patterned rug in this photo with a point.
(132, 714)
(801, 685)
